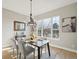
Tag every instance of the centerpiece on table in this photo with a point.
(32, 37)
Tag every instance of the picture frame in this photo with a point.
(69, 24)
(19, 26)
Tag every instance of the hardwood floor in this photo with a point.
(56, 53)
(63, 54)
(5, 54)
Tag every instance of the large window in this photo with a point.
(49, 27)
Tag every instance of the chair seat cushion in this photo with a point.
(28, 50)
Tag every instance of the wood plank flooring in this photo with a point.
(56, 53)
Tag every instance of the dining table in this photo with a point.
(39, 44)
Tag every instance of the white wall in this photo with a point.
(8, 18)
(67, 40)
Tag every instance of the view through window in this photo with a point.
(49, 27)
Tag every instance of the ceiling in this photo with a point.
(39, 6)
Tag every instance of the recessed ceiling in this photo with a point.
(39, 6)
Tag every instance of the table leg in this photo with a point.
(48, 48)
(38, 52)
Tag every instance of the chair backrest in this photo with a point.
(21, 46)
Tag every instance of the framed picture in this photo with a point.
(19, 26)
(69, 24)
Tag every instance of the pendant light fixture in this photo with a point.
(31, 22)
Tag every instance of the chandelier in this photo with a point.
(31, 22)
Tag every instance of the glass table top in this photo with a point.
(39, 42)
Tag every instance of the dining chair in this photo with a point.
(14, 51)
(24, 50)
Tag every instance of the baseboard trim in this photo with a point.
(64, 48)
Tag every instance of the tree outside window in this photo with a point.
(39, 25)
(47, 27)
(55, 27)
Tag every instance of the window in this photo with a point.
(49, 27)
(39, 25)
(55, 27)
